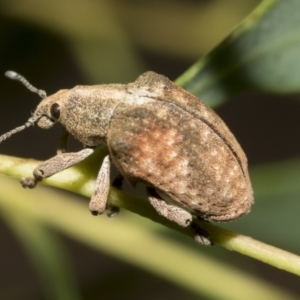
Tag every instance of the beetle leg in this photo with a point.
(201, 236)
(62, 146)
(54, 165)
(118, 181)
(99, 198)
(169, 211)
(113, 211)
(177, 215)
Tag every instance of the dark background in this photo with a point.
(263, 124)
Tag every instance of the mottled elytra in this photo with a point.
(157, 134)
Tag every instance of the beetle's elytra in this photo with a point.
(156, 133)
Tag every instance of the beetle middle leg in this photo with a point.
(99, 198)
(98, 203)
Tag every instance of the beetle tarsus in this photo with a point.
(201, 236)
(29, 182)
(113, 211)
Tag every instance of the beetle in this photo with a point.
(157, 134)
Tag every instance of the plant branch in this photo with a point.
(80, 179)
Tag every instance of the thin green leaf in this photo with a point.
(260, 54)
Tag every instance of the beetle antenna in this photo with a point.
(8, 134)
(15, 76)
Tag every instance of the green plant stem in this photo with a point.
(74, 180)
(132, 239)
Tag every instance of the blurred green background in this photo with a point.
(59, 44)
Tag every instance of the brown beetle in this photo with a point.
(156, 133)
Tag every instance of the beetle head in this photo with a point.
(47, 112)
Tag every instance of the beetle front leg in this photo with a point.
(54, 165)
(99, 198)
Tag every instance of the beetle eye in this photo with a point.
(55, 111)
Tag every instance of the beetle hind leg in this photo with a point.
(169, 211)
(178, 215)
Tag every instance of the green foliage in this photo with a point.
(259, 54)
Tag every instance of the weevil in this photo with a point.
(157, 134)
